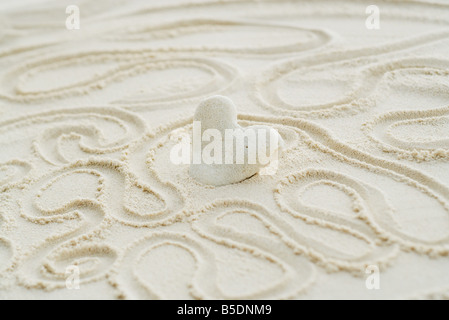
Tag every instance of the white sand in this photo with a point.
(88, 118)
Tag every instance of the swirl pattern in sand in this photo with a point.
(88, 119)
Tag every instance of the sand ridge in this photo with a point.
(88, 119)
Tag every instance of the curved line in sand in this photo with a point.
(204, 223)
(361, 96)
(126, 64)
(79, 124)
(40, 267)
(379, 130)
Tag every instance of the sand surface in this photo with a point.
(88, 118)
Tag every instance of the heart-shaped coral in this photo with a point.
(223, 151)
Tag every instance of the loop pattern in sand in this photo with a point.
(88, 119)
